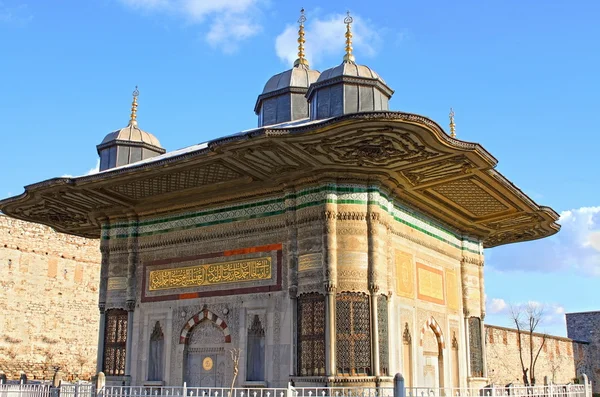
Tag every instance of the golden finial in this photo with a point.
(301, 60)
(134, 105)
(348, 21)
(452, 125)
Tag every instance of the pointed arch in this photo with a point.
(437, 330)
(203, 315)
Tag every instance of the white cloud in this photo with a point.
(325, 36)
(575, 248)
(497, 305)
(552, 314)
(229, 21)
(16, 15)
(95, 169)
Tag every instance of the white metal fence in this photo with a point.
(570, 390)
(89, 390)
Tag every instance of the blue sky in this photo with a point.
(522, 78)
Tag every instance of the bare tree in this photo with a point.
(235, 358)
(527, 319)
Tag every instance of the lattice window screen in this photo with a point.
(115, 340)
(311, 335)
(475, 349)
(353, 326)
(382, 328)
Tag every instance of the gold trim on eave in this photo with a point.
(211, 274)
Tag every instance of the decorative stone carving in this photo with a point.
(207, 333)
(406, 337)
(373, 148)
(166, 182)
(467, 194)
(439, 170)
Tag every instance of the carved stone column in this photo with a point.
(292, 256)
(129, 340)
(132, 259)
(104, 266)
(374, 262)
(330, 283)
(101, 329)
(483, 344)
(465, 304)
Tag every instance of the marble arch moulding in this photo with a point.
(437, 330)
(204, 315)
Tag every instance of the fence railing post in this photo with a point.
(587, 387)
(399, 389)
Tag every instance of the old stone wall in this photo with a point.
(585, 326)
(49, 301)
(561, 360)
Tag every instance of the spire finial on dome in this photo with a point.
(452, 125)
(134, 105)
(348, 21)
(301, 59)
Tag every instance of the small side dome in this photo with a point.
(284, 96)
(348, 87)
(128, 145)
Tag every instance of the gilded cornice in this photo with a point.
(407, 155)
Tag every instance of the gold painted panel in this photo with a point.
(430, 284)
(452, 290)
(211, 274)
(405, 285)
(310, 262)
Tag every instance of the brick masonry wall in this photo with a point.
(561, 359)
(586, 327)
(48, 300)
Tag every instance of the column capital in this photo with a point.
(130, 305)
(102, 307)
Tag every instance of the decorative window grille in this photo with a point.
(115, 339)
(475, 349)
(353, 352)
(382, 328)
(311, 335)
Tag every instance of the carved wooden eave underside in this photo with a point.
(452, 181)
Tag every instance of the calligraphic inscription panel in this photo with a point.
(405, 273)
(310, 262)
(430, 284)
(452, 290)
(255, 269)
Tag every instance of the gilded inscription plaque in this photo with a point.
(116, 283)
(310, 262)
(430, 284)
(405, 284)
(451, 289)
(211, 274)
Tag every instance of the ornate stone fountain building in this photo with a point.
(339, 242)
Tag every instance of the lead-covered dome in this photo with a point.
(128, 145)
(348, 87)
(284, 96)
